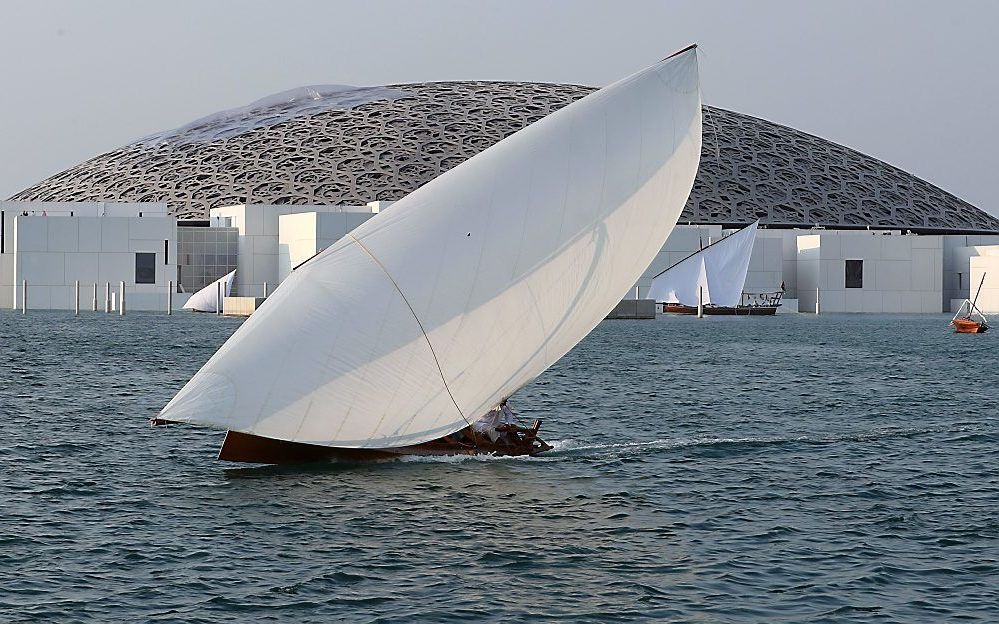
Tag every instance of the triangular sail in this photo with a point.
(702, 281)
(720, 269)
(206, 299)
(427, 315)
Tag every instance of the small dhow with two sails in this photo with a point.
(401, 336)
(712, 280)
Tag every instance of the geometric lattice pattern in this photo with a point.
(385, 142)
(751, 168)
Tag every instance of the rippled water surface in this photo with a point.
(840, 468)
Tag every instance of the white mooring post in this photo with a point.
(170, 298)
(107, 297)
(700, 302)
(816, 300)
(24, 296)
(218, 298)
(76, 305)
(121, 298)
(265, 290)
(95, 297)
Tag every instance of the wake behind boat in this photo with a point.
(426, 318)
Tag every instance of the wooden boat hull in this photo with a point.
(244, 447)
(968, 326)
(672, 308)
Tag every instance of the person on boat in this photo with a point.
(492, 423)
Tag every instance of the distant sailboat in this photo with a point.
(207, 299)
(400, 336)
(965, 321)
(714, 277)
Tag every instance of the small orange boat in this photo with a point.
(969, 326)
(967, 323)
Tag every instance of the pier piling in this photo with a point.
(170, 298)
(816, 301)
(76, 299)
(121, 298)
(700, 302)
(24, 296)
(107, 297)
(94, 304)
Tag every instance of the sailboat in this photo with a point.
(714, 278)
(209, 298)
(965, 322)
(400, 336)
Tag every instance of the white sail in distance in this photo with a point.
(206, 299)
(719, 269)
(426, 316)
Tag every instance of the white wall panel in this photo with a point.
(114, 234)
(81, 266)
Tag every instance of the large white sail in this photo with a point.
(719, 269)
(206, 299)
(427, 315)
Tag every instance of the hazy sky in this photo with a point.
(911, 82)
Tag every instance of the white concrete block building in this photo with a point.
(303, 235)
(985, 265)
(958, 254)
(51, 246)
(873, 272)
(259, 248)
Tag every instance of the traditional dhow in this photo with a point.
(429, 315)
(712, 280)
(969, 319)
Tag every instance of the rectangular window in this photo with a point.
(145, 268)
(166, 251)
(854, 273)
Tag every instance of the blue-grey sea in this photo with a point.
(786, 469)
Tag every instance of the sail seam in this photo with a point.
(440, 370)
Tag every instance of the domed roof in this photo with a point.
(351, 145)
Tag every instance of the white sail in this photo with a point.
(206, 299)
(720, 269)
(427, 315)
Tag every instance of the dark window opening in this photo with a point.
(166, 251)
(854, 273)
(145, 268)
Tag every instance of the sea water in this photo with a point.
(832, 468)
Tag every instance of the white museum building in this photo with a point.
(47, 248)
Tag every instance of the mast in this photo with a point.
(978, 292)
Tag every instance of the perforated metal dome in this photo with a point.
(349, 145)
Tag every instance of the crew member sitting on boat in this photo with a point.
(492, 424)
